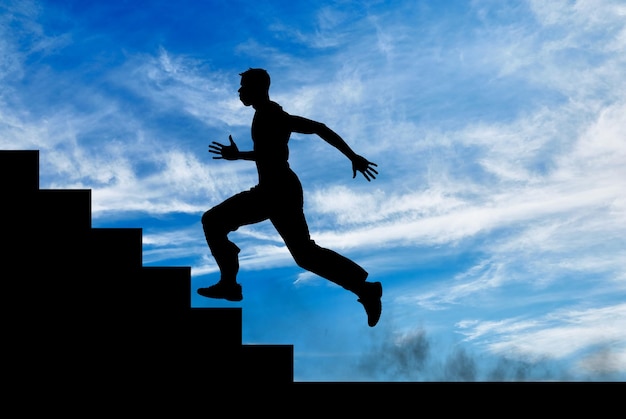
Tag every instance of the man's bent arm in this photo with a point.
(308, 126)
(359, 163)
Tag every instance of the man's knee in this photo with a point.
(212, 225)
(216, 233)
(212, 219)
(208, 218)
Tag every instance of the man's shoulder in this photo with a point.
(273, 107)
(271, 110)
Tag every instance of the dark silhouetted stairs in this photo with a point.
(84, 311)
(87, 329)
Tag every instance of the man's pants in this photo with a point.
(284, 208)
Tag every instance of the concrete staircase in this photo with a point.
(84, 311)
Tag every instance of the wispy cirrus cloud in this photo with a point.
(596, 332)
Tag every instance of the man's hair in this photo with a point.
(257, 77)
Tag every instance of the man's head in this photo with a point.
(255, 85)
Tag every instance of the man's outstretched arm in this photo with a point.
(230, 152)
(359, 163)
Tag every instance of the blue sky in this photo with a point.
(498, 222)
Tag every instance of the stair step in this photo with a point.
(19, 183)
(268, 363)
(115, 250)
(19, 171)
(66, 210)
(162, 286)
(214, 327)
(166, 346)
(162, 301)
(48, 228)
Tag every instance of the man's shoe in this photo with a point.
(370, 298)
(224, 290)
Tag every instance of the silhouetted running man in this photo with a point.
(278, 197)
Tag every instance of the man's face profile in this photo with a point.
(246, 92)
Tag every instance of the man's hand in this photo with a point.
(227, 152)
(364, 166)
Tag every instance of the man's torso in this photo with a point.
(270, 135)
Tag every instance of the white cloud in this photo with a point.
(265, 256)
(180, 184)
(177, 83)
(307, 278)
(585, 15)
(459, 221)
(559, 334)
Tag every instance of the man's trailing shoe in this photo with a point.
(370, 298)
